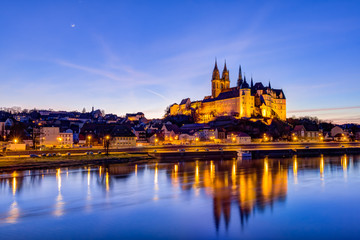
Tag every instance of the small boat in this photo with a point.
(244, 154)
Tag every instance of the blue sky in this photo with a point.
(129, 56)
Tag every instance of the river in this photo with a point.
(292, 198)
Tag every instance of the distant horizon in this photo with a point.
(339, 122)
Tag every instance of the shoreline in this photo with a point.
(14, 163)
(28, 163)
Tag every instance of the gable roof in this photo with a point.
(184, 101)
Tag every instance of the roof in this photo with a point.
(298, 128)
(172, 127)
(139, 129)
(258, 86)
(193, 126)
(278, 92)
(122, 131)
(184, 101)
(234, 92)
(240, 134)
(307, 127)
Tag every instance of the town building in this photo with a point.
(121, 137)
(238, 138)
(49, 136)
(306, 132)
(243, 101)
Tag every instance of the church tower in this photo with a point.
(240, 80)
(216, 82)
(225, 78)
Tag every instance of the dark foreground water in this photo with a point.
(269, 198)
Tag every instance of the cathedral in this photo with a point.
(243, 101)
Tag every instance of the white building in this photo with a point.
(49, 136)
(239, 138)
(66, 138)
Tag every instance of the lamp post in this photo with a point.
(16, 141)
(107, 144)
(60, 140)
(89, 138)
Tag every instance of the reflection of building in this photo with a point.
(257, 187)
(242, 101)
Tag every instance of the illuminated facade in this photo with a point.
(242, 101)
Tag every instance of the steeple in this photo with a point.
(269, 84)
(245, 84)
(225, 73)
(252, 82)
(216, 74)
(240, 80)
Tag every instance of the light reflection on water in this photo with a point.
(203, 199)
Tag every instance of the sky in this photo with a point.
(130, 56)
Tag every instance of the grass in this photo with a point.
(17, 163)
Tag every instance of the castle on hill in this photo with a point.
(242, 101)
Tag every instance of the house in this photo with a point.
(338, 130)
(140, 133)
(49, 136)
(121, 137)
(66, 138)
(238, 137)
(305, 132)
(170, 131)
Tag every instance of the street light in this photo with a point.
(107, 144)
(15, 140)
(89, 138)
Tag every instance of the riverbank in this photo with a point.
(26, 163)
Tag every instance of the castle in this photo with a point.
(242, 101)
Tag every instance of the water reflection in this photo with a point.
(235, 189)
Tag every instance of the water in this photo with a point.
(264, 199)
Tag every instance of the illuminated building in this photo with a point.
(242, 101)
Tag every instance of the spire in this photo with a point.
(269, 84)
(245, 84)
(240, 80)
(216, 74)
(252, 82)
(225, 73)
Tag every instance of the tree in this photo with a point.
(35, 136)
(167, 111)
(107, 144)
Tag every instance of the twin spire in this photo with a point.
(241, 82)
(216, 73)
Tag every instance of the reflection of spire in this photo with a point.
(217, 212)
(252, 189)
(226, 209)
